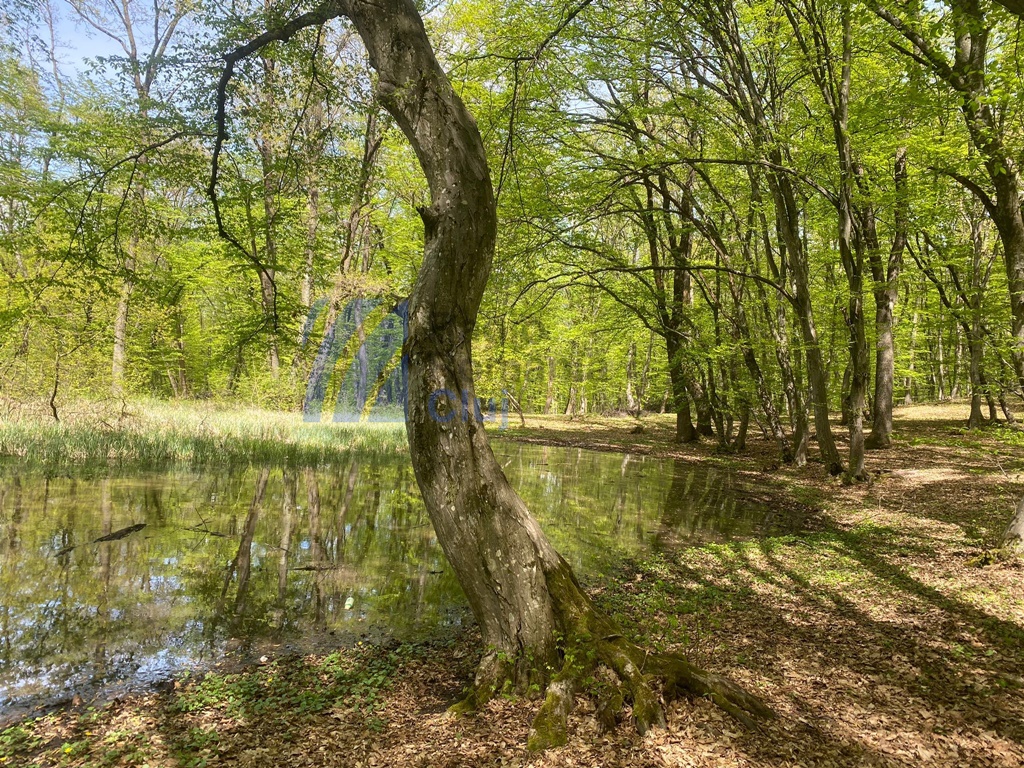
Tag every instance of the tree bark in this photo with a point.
(975, 345)
(534, 617)
(1013, 539)
(630, 372)
(886, 290)
(685, 431)
(908, 380)
(117, 360)
(645, 376)
(309, 260)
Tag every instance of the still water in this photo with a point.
(113, 583)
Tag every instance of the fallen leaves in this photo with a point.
(871, 638)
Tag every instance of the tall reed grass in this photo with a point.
(150, 433)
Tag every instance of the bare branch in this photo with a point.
(319, 15)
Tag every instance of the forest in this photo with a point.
(760, 261)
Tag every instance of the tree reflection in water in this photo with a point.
(308, 557)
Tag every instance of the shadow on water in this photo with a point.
(162, 572)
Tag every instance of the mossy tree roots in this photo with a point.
(542, 627)
(597, 660)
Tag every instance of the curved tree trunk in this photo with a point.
(530, 609)
(536, 622)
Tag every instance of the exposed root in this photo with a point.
(600, 661)
(493, 673)
(621, 673)
(611, 697)
(628, 662)
(681, 677)
(550, 725)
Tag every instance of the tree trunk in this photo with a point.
(940, 362)
(309, 260)
(851, 245)
(702, 404)
(581, 401)
(861, 376)
(908, 380)
(885, 370)
(1004, 406)
(549, 404)
(645, 376)
(630, 372)
(685, 431)
(517, 585)
(119, 355)
(268, 284)
(1013, 539)
(975, 345)
(958, 353)
(533, 615)
(886, 290)
(1009, 222)
(993, 415)
(846, 412)
(362, 362)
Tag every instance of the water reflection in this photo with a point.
(189, 563)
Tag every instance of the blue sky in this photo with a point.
(76, 40)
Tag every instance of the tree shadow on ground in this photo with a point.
(843, 635)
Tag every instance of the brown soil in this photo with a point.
(874, 638)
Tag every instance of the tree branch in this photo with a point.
(971, 186)
(319, 15)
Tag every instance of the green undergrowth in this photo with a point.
(350, 678)
(682, 601)
(190, 722)
(154, 434)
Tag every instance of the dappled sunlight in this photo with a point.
(859, 621)
(915, 478)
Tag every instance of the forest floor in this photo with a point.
(875, 635)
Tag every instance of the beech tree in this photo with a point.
(538, 625)
(969, 74)
(128, 27)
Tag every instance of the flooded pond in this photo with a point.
(117, 582)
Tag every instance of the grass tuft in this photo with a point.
(156, 434)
